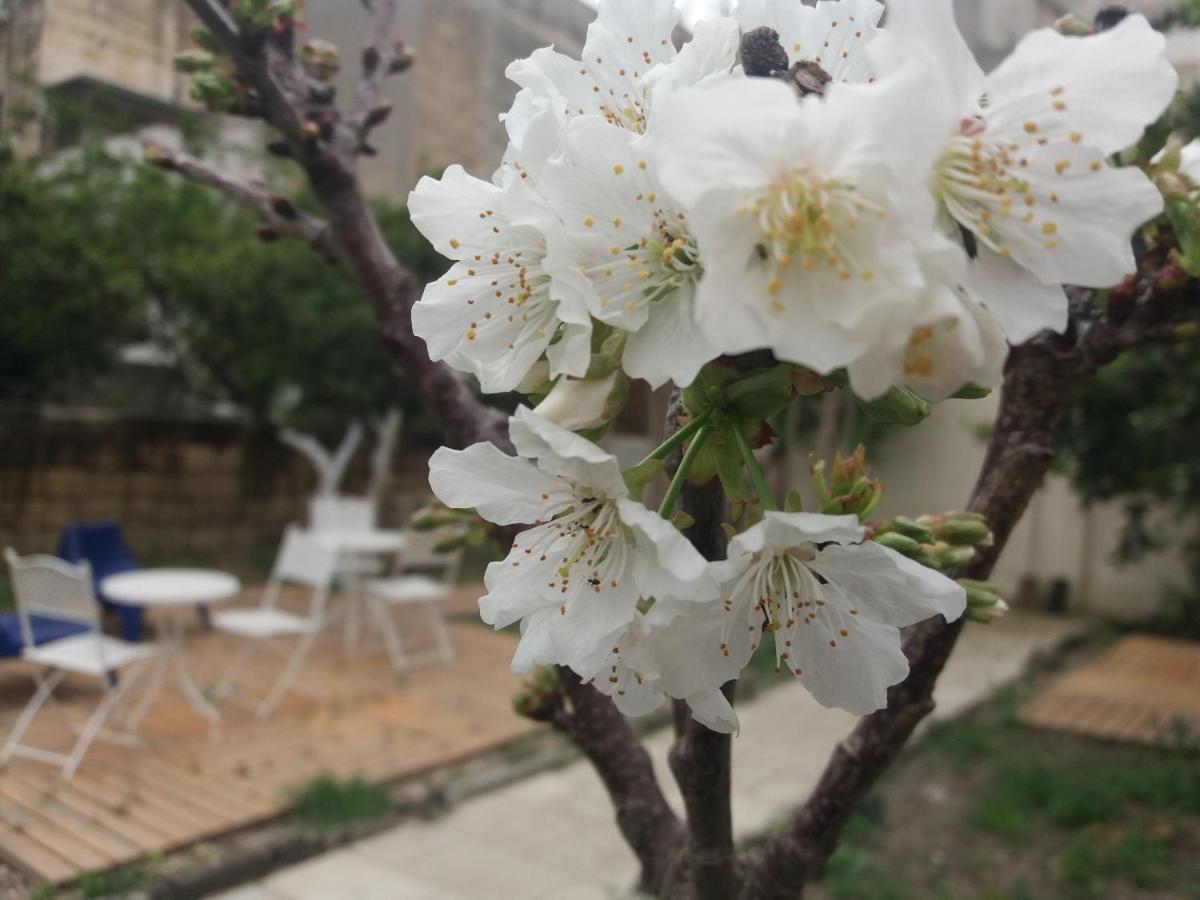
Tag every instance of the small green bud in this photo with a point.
(984, 603)
(913, 529)
(966, 533)
(902, 544)
(794, 503)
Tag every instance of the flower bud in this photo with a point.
(851, 491)
(959, 529)
(902, 544)
(579, 405)
(984, 603)
(910, 528)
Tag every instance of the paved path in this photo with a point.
(552, 837)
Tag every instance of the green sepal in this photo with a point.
(682, 520)
(641, 475)
(793, 503)
(899, 406)
(971, 392)
(912, 529)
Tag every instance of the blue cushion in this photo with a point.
(104, 547)
(44, 630)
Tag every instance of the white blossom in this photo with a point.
(657, 657)
(492, 314)
(625, 251)
(573, 580)
(834, 605)
(629, 55)
(1026, 167)
(804, 212)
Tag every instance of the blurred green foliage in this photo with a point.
(105, 252)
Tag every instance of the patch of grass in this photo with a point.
(326, 802)
(1091, 862)
(116, 883)
(1080, 790)
(854, 872)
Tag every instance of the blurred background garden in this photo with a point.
(173, 369)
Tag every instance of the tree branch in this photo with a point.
(381, 58)
(701, 760)
(326, 148)
(598, 728)
(1039, 379)
(278, 215)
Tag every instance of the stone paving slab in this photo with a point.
(552, 837)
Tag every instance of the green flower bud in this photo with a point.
(984, 603)
(902, 544)
(911, 528)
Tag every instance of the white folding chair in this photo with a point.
(340, 512)
(303, 561)
(425, 578)
(51, 588)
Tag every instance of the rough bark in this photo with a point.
(701, 760)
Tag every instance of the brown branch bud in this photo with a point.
(403, 58)
(281, 148)
(370, 60)
(159, 156)
(377, 116)
(285, 208)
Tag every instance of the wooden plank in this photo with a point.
(33, 857)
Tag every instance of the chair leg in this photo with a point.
(441, 634)
(225, 685)
(112, 696)
(46, 685)
(391, 639)
(288, 675)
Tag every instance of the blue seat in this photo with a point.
(44, 630)
(103, 546)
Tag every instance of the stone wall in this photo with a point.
(211, 493)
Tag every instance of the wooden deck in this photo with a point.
(1141, 690)
(181, 786)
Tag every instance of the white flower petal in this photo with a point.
(780, 531)
(711, 709)
(503, 489)
(519, 585)
(561, 452)
(711, 53)
(1021, 304)
(667, 566)
(671, 345)
(850, 671)
(887, 587)
(1105, 87)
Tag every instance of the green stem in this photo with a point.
(757, 478)
(676, 440)
(685, 465)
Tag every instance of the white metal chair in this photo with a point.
(302, 561)
(339, 512)
(51, 588)
(425, 578)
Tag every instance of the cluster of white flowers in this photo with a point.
(875, 205)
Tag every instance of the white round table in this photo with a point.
(174, 590)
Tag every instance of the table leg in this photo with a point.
(202, 705)
(352, 635)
